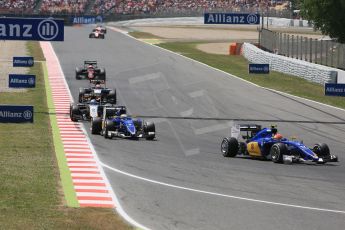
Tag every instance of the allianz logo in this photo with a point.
(23, 61)
(47, 30)
(27, 114)
(30, 81)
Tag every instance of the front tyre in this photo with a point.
(149, 130)
(278, 150)
(109, 126)
(229, 147)
(322, 150)
(73, 112)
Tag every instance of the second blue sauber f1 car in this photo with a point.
(116, 123)
(268, 144)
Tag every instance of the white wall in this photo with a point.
(309, 71)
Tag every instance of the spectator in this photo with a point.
(63, 6)
(17, 6)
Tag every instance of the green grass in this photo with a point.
(30, 192)
(238, 65)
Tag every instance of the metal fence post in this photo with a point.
(321, 45)
(292, 46)
(332, 53)
(311, 49)
(327, 51)
(288, 45)
(316, 50)
(304, 41)
(280, 42)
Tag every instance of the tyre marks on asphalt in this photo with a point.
(88, 181)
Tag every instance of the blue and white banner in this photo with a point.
(259, 68)
(231, 18)
(16, 113)
(23, 61)
(86, 19)
(35, 29)
(332, 89)
(21, 81)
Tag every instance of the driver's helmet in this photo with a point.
(123, 115)
(90, 66)
(278, 136)
(93, 101)
(98, 86)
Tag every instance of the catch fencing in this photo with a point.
(319, 51)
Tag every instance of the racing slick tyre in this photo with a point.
(77, 73)
(108, 126)
(229, 147)
(102, 36)
(322, 150)
(149, 130)
(91, 35)
(96, 125)
(278, 150)
(111, 98)
(73, 111)
(81, 94)
(102, 73)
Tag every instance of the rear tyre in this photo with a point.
(77, 73)
(96, 125)
(112, 96)
(229, 147)
(321, 150)
(81, 95)
(149, 130)
(278, 150)
(102, 72)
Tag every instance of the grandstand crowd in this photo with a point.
(134, 6)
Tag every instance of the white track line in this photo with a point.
(220, 194)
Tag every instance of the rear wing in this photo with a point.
(250, 129)
(94, 63)
(114, 111)
(100, 79)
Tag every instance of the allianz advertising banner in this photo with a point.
(86, 19)
(23, 61)
(231, 18)
(34, 29)
(16, 113)
(21, 81)
(259, 68)
(334, 89)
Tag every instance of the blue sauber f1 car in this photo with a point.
(116, 123)
(268, 144)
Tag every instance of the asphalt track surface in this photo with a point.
(154, 82)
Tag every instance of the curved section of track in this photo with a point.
(153, 82)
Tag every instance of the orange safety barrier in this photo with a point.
(232, 49)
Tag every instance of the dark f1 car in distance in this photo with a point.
(91, 101)
(116, 123)
(268, 144)
(100, 28)
(90, 71)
